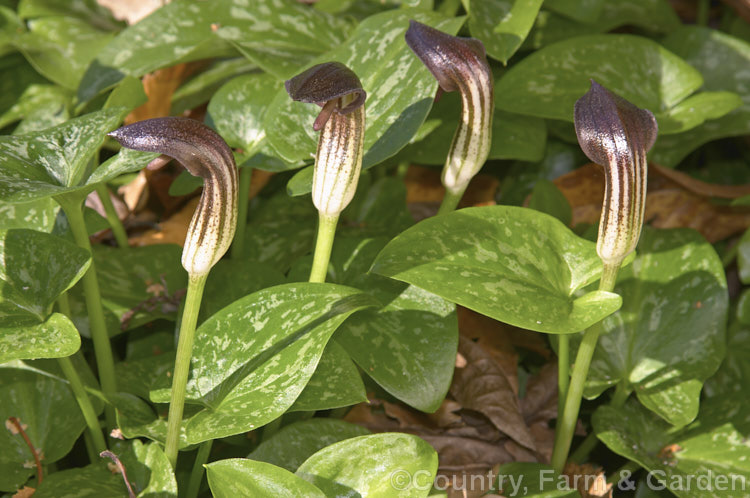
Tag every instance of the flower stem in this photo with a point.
(102, 349)
(326, 233)
(450, 201)
(84, 403)
(563, 371)
(566, 425)
(196, 475)
(238, 244)
(193, 298)
(118, 230)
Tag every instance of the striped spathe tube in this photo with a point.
(341, 122)
(617, 135)
(459, 64)
(204, 154)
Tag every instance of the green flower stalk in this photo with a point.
(205, 154)
(459, 64)
(617, 135)
(338, 160)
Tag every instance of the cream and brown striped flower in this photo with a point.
(460, 64)
(205, 154)
(617, 135)
(338, 160)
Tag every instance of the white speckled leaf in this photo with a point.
(237, 109)
(52, 161)
(502, 25)
(45, 405)
(295, 443)
(241, 477)
(338, 469)
(185, 31)
(711, 451)
(61, 48)
(136, 418)
(35, 268)
(125, 161)
(669, 336)
(513, 264)
(548, 82)
(252, 359)
(39, 103)
(133, 279)
(36, 215)
(400, 90)
(717, 56)
(514, 136)
(335, 383)
(91, 481)
(24, 338)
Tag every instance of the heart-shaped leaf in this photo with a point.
(53, 161)
(513, 264)
(399, 89)
(336, 383)
(260, 352)
(561, 74)
(337, 469)
(295, 443)
(502, 25)
(701, 48)
(241, 477)
(708, 458)
(669, 336)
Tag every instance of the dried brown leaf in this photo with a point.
(483, 386)
(24, 492)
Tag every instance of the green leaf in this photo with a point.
(514, 136)
(187, 31)
(260, 352)
(85, 10)
(338, 469)
(199, 89)
(231, 279)
(716, 55)
(513, 264)
(502, 25)
(49, 413)
(399, 88)
(711, 450)
(139, 376)
(281, 231)
(53, 161)
(295, 443)
(25, 338)
(24, 76)
(92, 481)
(129, 94)
(35, 268)
(547, 198)
(669, 336)
(61, 48)
(240, 477)
(561, 74)
(136, 418)
(696, 110)
(238, 108)
(532, 480)
(36, 215)
(125, 161)
(743, 257)
(378, 209)
(149, 470)
(45, 104)
(336, 383)
(137, 285)
(580, 10)
(734, 373)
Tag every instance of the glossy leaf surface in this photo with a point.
(669, 336)
(242, 477)
(516, 265)
(502, 25)
(336, 468)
